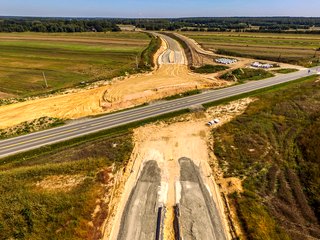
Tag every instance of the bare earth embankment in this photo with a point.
(168, 144)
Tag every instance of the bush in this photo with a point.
(209, 69)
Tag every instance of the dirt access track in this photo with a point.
(170, 77)
(171, 166)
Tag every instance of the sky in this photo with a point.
(160, 8)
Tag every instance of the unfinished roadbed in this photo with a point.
(177, 154)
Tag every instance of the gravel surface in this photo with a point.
(139, 219)
(199, 218)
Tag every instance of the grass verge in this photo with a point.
(285, 70)
(242, 75)
(209, 69)
(31, 126)
(147, 56)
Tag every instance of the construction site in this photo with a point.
(171, 187)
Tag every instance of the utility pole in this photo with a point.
(45, 79)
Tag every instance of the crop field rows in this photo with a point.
(66, 59)
(290, 48)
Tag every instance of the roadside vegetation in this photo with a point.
(54, 195)
(274, 148)
(209, 69)
(242, 75)
(185, 94)
(67, 60)
(147, 56)
(289, 48)
(30, 126)
(285, 70)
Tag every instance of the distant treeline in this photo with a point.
(250, 24)
(56, 25)
(261, 24)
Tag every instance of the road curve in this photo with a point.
(174, 54)
(35, 140)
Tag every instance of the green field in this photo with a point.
(66, 59)
(274, 148)
(290, 48)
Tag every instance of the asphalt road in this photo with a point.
(35, 140)
(139, 218)
(199, 216)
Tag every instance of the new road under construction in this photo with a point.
(169, 197)
(196, 214)
(170, 192)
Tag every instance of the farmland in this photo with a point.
(274, 147)
(290, 48)
(66, 59)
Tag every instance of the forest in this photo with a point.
(53, 25)
(241, 24)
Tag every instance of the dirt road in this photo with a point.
(199, 216)
(174, 54)
(139, 219)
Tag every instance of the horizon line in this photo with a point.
(275, 16)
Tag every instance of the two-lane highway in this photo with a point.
(38, 139)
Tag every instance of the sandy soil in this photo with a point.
(72, 105)
(166, 142)
(164, 81)
(167, 80)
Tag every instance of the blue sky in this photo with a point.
(160, 8)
